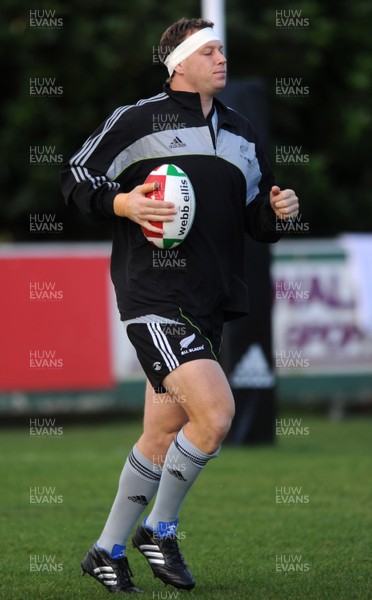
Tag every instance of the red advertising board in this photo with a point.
(55, 315)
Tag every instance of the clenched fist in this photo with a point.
(284, 203)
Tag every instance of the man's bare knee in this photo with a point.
(221, 425)
(214, 430)
(159, 442)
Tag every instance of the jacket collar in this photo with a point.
(191, 101)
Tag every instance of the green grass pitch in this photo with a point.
(240, 538)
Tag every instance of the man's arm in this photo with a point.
(270, 205)
(84, 182)
(263, 214)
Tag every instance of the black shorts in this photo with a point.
(163, 342)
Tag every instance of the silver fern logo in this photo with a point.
(185, 343)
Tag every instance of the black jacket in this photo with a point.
(231, 179)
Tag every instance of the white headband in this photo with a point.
(192, 43)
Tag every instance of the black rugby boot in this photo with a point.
(113, 573)
(164, 557)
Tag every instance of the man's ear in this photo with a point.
(179, 69)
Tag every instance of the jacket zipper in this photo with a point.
(213, 132)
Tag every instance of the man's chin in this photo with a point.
(221, 86)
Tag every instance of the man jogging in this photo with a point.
(189, 405)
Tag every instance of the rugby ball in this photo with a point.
(176, 187)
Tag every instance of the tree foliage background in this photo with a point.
(103, 57)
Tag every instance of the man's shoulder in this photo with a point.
(235, 119)
(230, 113)
(145, 104)
(139, 108)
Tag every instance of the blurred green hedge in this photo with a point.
(101, 55)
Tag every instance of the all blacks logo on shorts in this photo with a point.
(156, 366)
(185, 343)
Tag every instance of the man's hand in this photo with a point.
(284, 203)
(136, 207)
